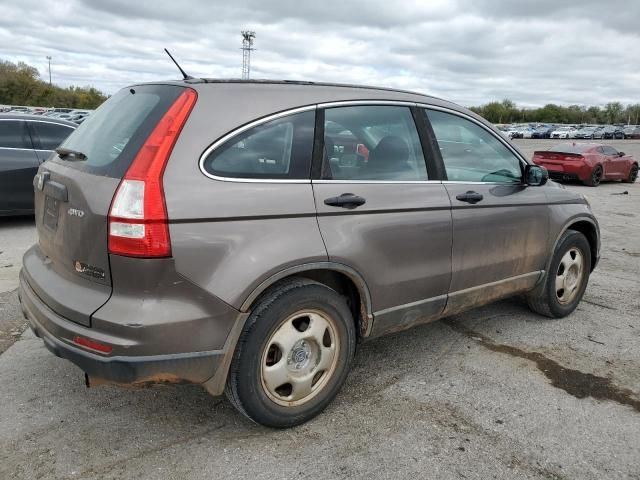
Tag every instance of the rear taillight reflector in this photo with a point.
(138, 223)
(92, 344)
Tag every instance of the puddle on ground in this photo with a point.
(574, 382)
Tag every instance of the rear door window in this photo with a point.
(372, 143)
(14, 134)
(112, 135)
(49, 136)
(278, 149)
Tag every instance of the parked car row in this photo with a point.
(572, 131)
(76, 116)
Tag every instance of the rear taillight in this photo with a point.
(138, 223)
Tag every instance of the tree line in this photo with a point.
(20, 84)
(507, 112)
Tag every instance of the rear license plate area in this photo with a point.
(552, 166)
(50, 214)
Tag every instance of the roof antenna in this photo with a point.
(184, 74)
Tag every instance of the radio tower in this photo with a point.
(247, 47)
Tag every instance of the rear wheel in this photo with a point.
(633, 174)
(293, 356)
(567, 278)
(596, 177)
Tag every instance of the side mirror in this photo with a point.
(621, 154)
(535, 175)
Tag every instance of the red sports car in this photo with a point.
(591, 163)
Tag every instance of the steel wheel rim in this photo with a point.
(300, 358)
(569, 275)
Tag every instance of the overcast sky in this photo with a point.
(467, 51)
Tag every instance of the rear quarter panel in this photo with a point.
(228, 237)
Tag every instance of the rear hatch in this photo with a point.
(69, 269)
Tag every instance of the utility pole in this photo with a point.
(49, 58)
(247, 47)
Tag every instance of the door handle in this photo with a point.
(346, 200)
(470, 197)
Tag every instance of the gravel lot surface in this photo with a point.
(498, 392)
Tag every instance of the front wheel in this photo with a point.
(293, 355)
(565, 282)
(633, 174)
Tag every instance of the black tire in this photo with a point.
(633, 174)
(544, 299)
(596, 177)
(245, 388)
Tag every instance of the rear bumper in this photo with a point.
(567, 172)
(562, 176)
(137, 370)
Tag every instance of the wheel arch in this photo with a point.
(342, 278)
(589, 228)
(338, 276)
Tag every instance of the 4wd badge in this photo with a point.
(74, 212)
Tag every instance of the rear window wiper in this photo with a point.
(67, 152)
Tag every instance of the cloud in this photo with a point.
(468, 51)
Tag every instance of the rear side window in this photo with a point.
(279, 149)
(13, 134)
(112, 135)
(372, 143)
(49, 135)
(472, 154)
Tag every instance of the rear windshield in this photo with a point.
(112, 135)
(571, 148)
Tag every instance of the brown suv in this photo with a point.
(247, 235)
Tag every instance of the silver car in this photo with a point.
(247, 236)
